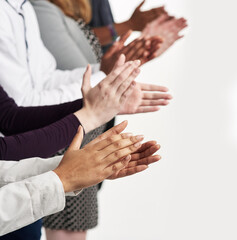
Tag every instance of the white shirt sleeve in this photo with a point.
(46, 86)
(29, 190)
(26, 201)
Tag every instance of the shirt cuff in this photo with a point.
(49, 197)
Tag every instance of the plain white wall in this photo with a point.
(191, 193)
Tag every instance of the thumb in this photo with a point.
(86, 85)
(120, 62)
(125, 36)
(77, 140)
(141, 4)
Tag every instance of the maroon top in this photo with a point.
(55, 128)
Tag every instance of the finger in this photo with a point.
(145, 161)
(111, 140)
(152, 87)
(155, 96)
(127, 93)
(145, 146)
(125, 36)
(130, 47)
(113, 131)
(115, 156)
(130, 171)
(115, 168)
(145, 109)
(139, 45)
(126, 84)
(86, 85)
(146, 153)
(109, 147)
(77, 140)
(120, 62)
(114, 74)
(125, 74)
(159, 102)
(140, 5)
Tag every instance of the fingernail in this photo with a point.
(139, 137)
(137, 145)
(137, 70)
(137, 62)
(128, 157)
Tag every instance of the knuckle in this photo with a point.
(117, 154)
(117, 144)
(114, 168)
(110, 139)
(101, 85)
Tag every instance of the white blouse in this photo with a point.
(28, 70)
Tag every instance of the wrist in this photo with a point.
(87, 119)
(64, 182)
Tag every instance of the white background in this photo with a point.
(191, 193)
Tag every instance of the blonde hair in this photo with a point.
(75, 8)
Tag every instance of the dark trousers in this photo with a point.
(30, 232)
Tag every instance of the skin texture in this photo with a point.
(106, 157)
(140, 19)
(109, 96)
(118, 93)
(143, 48)
(166, 27)
(137, 22)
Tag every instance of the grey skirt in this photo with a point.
(81, 212)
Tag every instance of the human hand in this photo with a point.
(143, 49)
(101, 158)
(107, 99)
(139, 19)
(146, 98)
(139, 160)
(167, 28)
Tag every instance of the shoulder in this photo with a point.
(46, 8)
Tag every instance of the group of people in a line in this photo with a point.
(65, 73)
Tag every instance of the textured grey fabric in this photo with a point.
(73, 45)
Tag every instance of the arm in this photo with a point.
(43, 142)
(136, 22)
(29, 200)
(15, 120)
(35, 197)
(57, 86)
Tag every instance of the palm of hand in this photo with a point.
(168, 30)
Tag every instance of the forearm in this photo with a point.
(30, 200)
(43, 142)
(105, 36)
(15, 120)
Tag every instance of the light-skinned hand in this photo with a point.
(98, 160)
(107, 99)
(146, 98)
(166, 27)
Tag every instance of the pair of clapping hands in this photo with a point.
(159, 32)
(113, 154)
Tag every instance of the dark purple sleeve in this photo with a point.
(43, 142)
(15, 120)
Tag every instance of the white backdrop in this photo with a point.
(191, 193)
